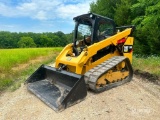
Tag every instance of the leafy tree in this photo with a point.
(69, 38)
(62, 38)
(45, 41)
(104, 7)
(144, 14)
(26, 42)
(147, 25)
(122, 14)
(56, 41)
(5, 40)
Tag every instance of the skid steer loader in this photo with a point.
(99, 58)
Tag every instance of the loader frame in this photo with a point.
(66, 84)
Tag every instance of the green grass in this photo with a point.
(149, 64)
(13, 57)
(26, 73)
(10, 58)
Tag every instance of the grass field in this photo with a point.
(13, 58)
(149, 64)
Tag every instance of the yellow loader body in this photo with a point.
(99, 59)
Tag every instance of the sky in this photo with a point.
(41, 15)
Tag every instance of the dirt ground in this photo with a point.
(138, 100)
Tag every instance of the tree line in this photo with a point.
(144, 14)
(30, 39)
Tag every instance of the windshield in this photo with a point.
(83, 30)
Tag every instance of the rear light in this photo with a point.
(123, 40)
(127, 48)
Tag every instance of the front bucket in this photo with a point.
(58, 89)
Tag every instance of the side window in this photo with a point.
(106, 28)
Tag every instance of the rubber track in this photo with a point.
(95, 73)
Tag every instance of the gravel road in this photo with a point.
(138, 100)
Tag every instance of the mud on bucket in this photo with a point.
(58, 89)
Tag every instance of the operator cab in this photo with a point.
(91, 28)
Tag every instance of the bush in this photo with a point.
(26, 42)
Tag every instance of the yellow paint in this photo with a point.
(82, 63)
(111, 77)
(129, 41)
